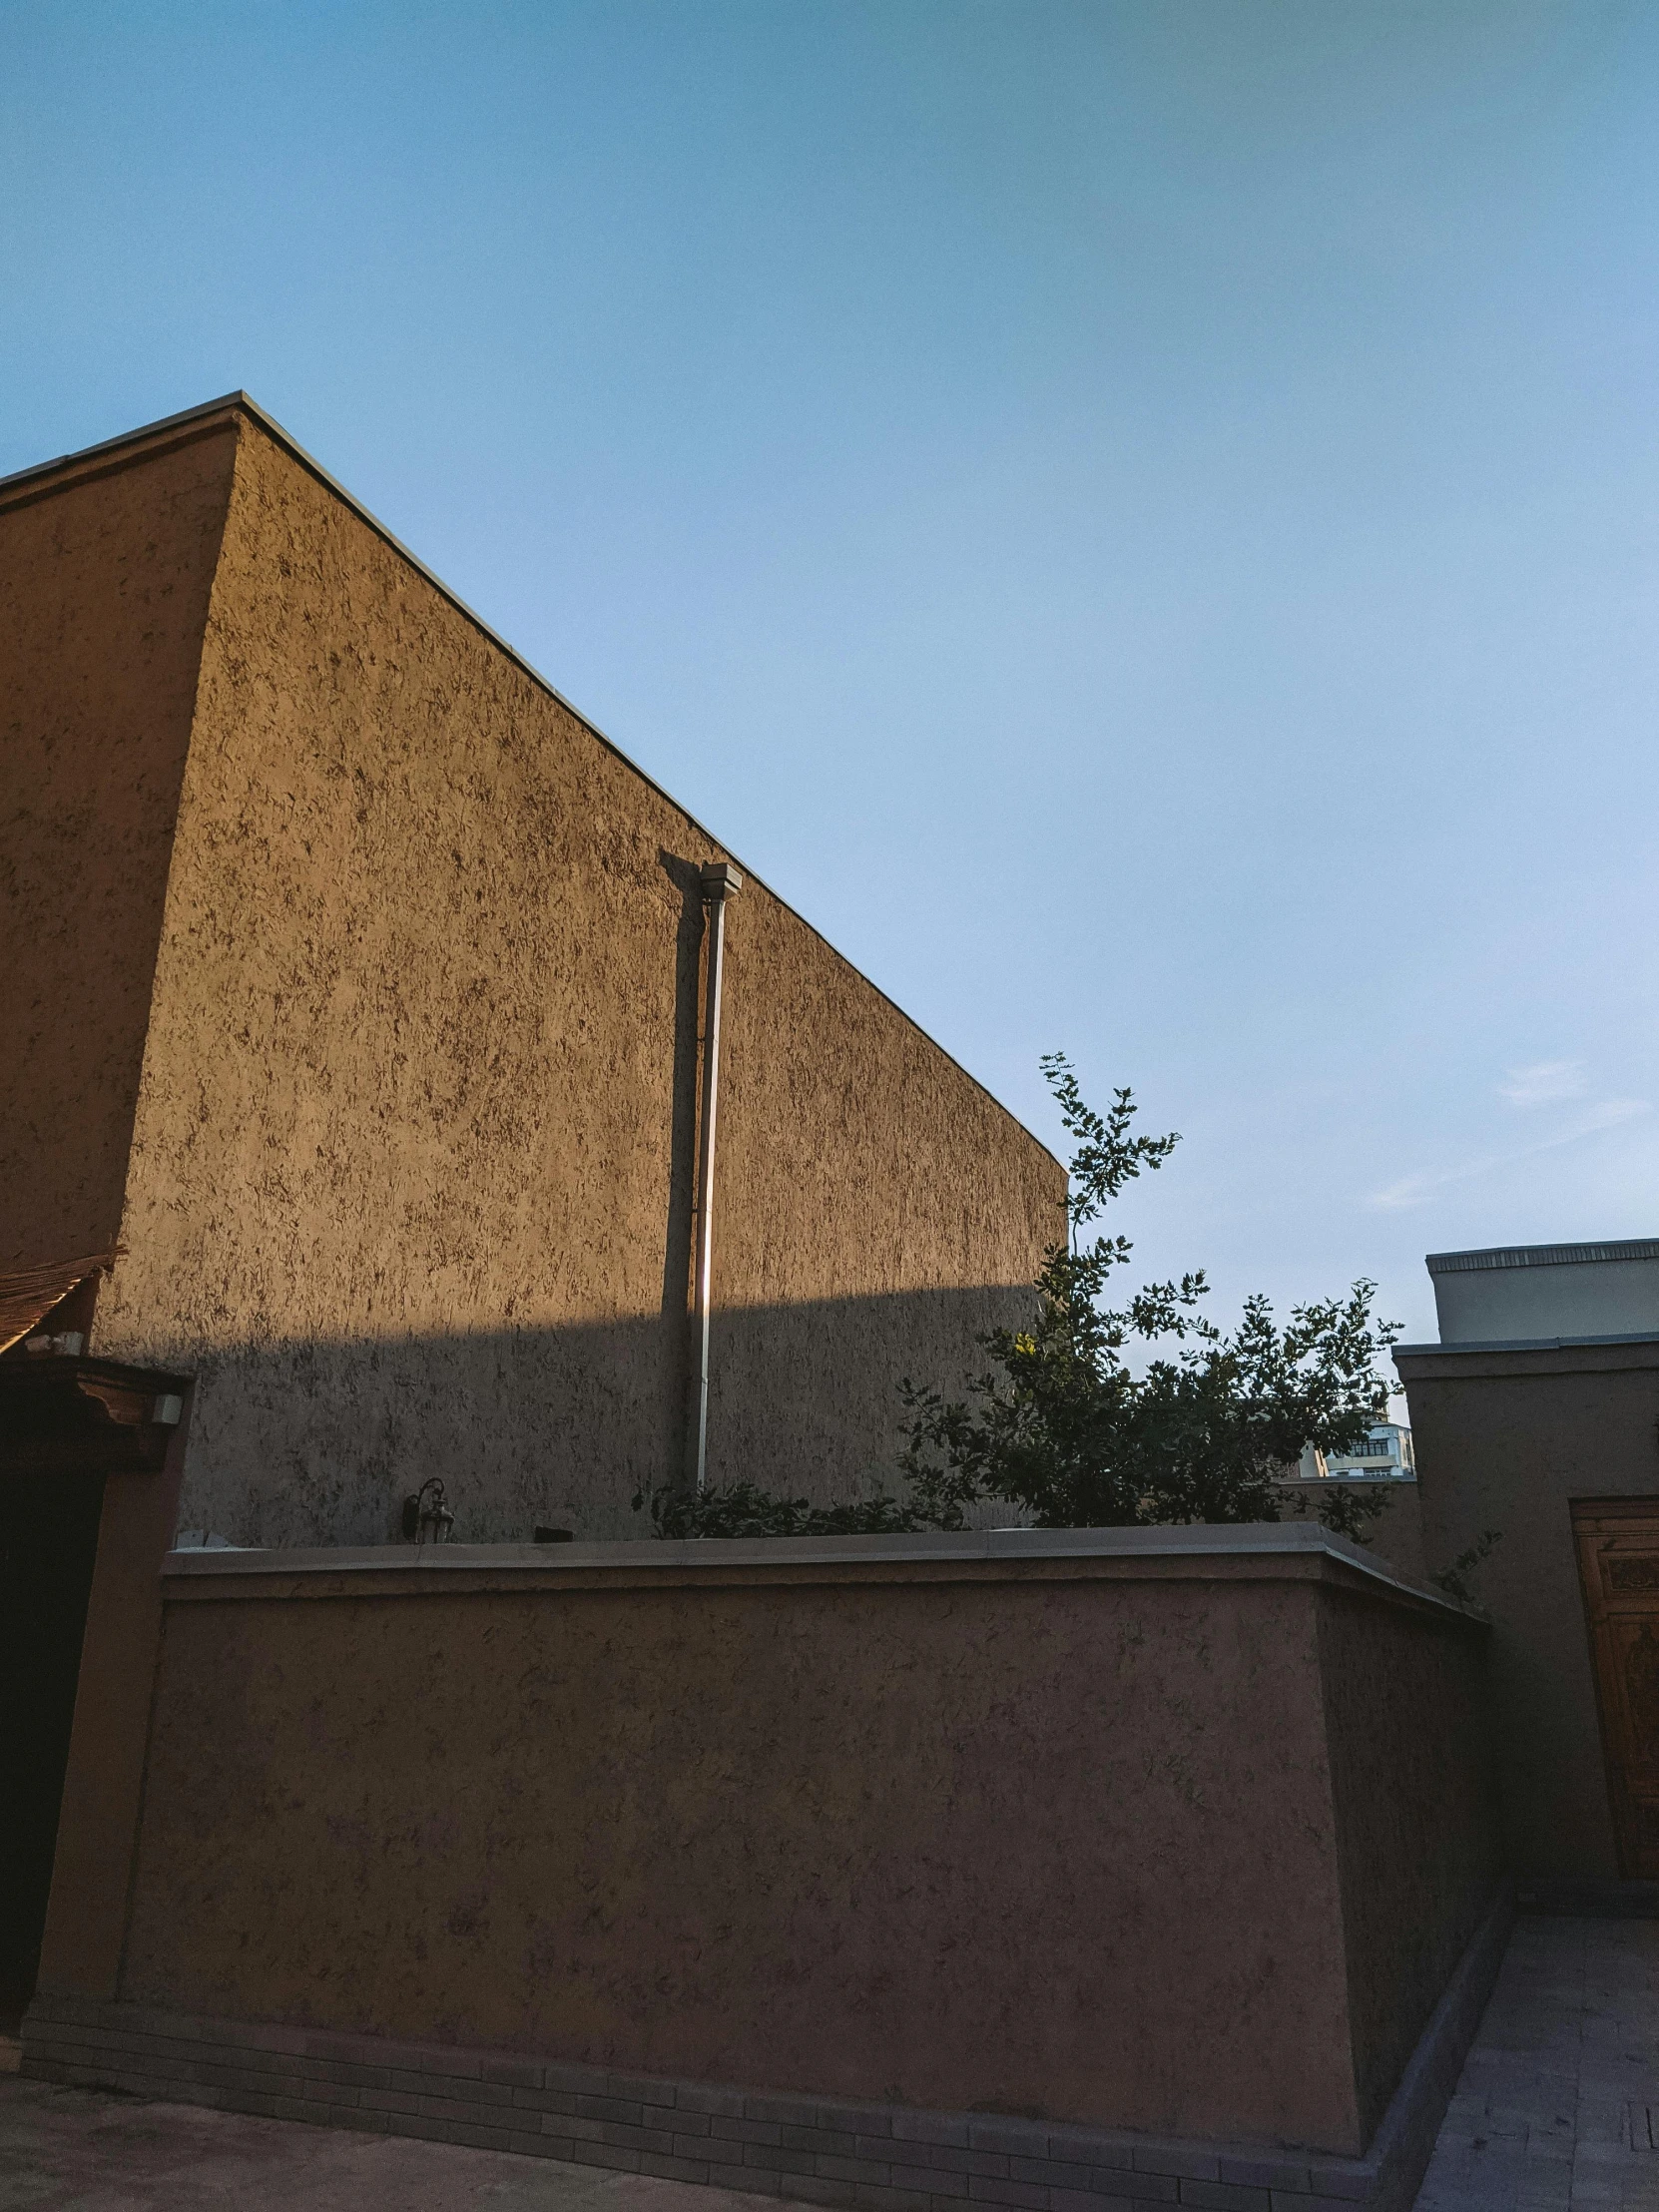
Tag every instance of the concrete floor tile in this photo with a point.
(1568, 2049)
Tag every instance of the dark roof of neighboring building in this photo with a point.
(1540, 1256)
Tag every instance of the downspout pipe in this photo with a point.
(721, 881)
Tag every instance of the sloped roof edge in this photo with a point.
(232, 401)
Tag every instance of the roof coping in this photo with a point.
(1540, 1256)
(1237, 1540)
(1527, 1344)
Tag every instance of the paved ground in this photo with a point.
(1558, 2105)
(74, 2151)
(1557, 2111)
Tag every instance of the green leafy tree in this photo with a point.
(1063, 1422)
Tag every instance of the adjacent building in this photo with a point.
(1518, 1294)
(1536, 1426)
(357, 1104)
(354, 994)
(1384, 1455)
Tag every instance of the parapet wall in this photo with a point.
(1395, 1537)
(1175, 1831)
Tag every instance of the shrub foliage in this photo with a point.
(1105, 1414)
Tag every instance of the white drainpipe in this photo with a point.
(720, 882)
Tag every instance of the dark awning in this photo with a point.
(28, 1295)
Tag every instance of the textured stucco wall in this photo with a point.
(104, 585)
(1417, 1816)
(1394, 1536)
(1025, 1839)
(411, 1174)
(1506, 1441)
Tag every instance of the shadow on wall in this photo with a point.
(302, 1443)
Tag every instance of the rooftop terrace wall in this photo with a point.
(1096, 1828)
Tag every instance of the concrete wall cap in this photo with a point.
(1519, 1343)
(1262, 1541)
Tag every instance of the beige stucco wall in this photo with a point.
(1394, 1536)
(412, 1164)
(1100, 1839)
(104, 588)
(1409, 1730)
(1506, 1441)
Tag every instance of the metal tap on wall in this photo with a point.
(426, 1514)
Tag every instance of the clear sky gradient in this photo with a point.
(1141, 520)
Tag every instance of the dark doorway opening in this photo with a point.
(47, 1547)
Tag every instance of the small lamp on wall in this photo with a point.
(426, 1516)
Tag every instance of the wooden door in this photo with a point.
(1618, 1564)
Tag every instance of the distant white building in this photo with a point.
(1384, 1457)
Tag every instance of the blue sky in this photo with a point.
(1141, 520)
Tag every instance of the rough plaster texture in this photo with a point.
(1415, 1817)
(1030, 1837)
(1506, 1441)
(1394, 1536)
(412, 1169)
(102, 596)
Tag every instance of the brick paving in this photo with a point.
(1556, 2110)
(859, 2156)
(1557, 2107)
(86, 2150)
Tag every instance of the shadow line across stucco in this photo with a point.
(317, 1439)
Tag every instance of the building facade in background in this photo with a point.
(1384, 1455)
